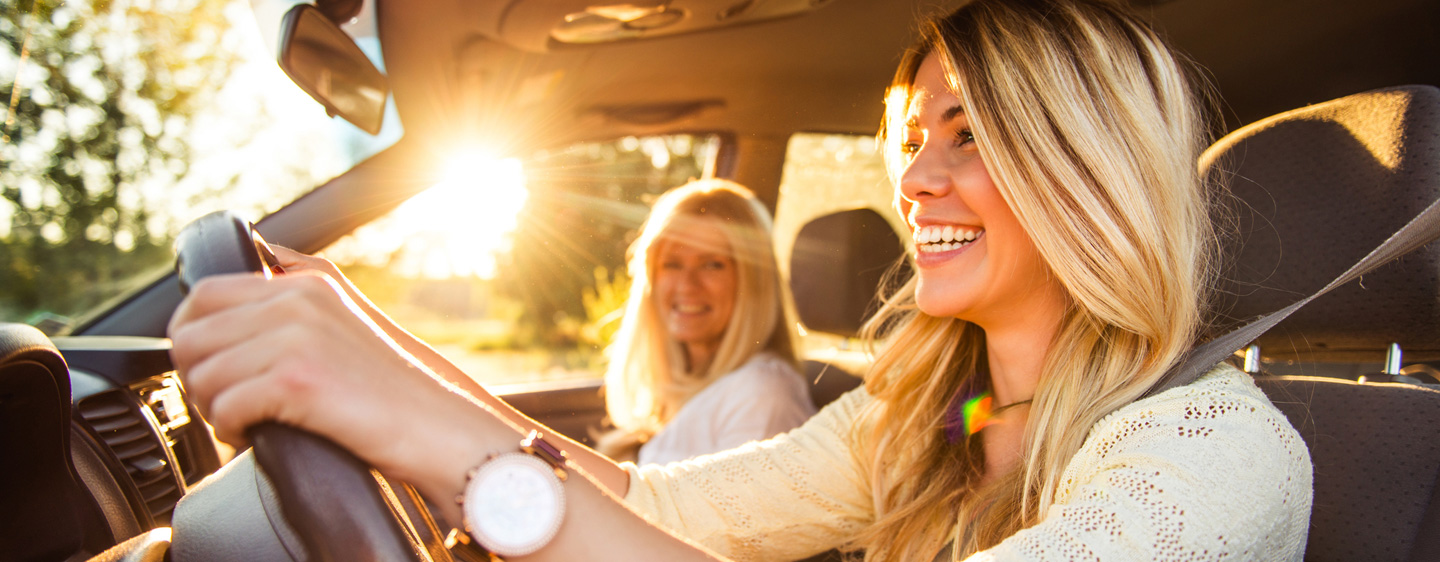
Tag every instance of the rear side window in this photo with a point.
(824, 174)
(520, 278)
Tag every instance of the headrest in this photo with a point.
(1315, 189)
(836, 268)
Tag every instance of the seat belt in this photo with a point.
(1421, 230)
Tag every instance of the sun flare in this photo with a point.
(457, 227)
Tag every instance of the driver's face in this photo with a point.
(974, 259)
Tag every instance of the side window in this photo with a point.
(824, 174)
(515, 270)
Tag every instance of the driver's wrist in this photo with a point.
(451, 450)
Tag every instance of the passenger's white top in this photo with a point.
(1208, 471)
(761, 399)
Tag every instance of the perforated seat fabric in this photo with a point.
(1376, 450)
(1316, 189)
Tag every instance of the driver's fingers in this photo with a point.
(284, 380)
(223, 292)
(214, 293)
(233, 310)
(244, 404)
(291, 259)
(211, 375)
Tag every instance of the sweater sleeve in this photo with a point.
(786, 498)
(1212, 471)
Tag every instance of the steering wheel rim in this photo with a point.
(340, 507)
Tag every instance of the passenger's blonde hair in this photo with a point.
(1090, 127)
(647, 380)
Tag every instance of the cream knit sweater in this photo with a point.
(1208, 471)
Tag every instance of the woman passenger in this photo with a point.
(704, 360)
(1044, 152)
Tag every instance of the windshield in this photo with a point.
(127, 119)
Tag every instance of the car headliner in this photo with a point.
(826, 70)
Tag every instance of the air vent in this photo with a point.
(131, 432)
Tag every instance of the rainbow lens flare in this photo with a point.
(977, 413)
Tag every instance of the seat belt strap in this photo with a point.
(1421, 230)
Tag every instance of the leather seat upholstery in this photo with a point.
(37, 479)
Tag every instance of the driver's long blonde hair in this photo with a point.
(1090, 128)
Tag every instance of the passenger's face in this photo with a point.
(974, 260)
(695, 285)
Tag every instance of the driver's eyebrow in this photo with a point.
(946, 117)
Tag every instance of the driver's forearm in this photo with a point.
(605, 471)
(422, 351)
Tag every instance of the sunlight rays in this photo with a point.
(456, 228)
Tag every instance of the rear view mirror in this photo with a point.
(328, 65)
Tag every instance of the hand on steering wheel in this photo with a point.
(341, 508)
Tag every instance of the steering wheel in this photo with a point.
(341, 508)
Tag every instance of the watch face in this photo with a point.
(514, 504)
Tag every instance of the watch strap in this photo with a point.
(535, 444)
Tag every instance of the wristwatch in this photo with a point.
(513, 502)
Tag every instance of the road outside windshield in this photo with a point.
(126, 119)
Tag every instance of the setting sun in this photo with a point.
(454, 229)
(462, 222)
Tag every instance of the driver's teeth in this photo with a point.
(950, 233)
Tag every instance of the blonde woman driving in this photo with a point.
(1044, 156)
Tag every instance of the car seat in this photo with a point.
(48, 513)
(836, 270)
(1314, 190)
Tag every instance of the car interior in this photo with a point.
(1331, 122)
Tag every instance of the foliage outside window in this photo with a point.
(126, 119)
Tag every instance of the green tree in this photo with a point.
(100, 99)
